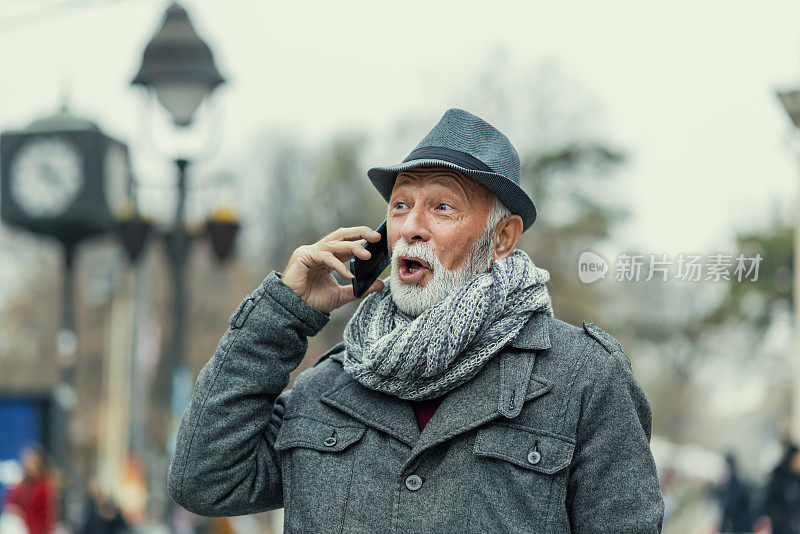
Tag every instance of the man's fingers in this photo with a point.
(329, 259)
(346, 248)
(352, 233)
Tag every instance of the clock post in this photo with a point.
(62, 178)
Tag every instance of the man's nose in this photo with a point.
(415, 226)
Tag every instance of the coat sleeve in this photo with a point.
(225, 462)
(613, 484)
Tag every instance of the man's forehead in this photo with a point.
(439, 175)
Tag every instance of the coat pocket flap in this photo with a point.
(525, 447)
(313, 434)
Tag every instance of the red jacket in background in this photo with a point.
(37, 500)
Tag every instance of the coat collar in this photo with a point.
(500, 388)
(534, 335)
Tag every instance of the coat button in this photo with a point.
(330, 442)
(413, 482)
(534, 457)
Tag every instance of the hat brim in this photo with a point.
(509, 193)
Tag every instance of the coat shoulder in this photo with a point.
(607, 352)
(588, 346)
(569, 333)
(568, 338)
(606, 340)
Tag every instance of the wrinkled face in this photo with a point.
(436, 219)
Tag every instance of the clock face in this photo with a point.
(117, 177)
(46, 176)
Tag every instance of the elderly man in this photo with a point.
(456, 402)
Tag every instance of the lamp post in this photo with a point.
(791, 103)
(178, 69)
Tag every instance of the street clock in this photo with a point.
(62, 177)
(46, 176)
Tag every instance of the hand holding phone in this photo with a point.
(308, 272)
(365, 272)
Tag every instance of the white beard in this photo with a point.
(412, 298)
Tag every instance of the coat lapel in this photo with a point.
(501, 387)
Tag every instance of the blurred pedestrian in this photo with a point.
(35, 496)
(103, 516)
(782, 499)
(734, 496)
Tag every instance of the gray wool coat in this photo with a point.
(552, 435)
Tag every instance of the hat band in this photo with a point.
(451, 156)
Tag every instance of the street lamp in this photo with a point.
(178, 68)
(791, 103)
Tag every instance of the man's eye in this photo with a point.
(399, 205)
(442, 204)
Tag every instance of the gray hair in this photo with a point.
(483, 250)
(498, 213)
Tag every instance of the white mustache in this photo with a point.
(419, 250)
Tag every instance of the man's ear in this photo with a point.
(507, 235)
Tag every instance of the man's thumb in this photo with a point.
(346, 292)
(377, 285)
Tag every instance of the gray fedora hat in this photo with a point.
(467, 143)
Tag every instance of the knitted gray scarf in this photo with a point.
(424, 357)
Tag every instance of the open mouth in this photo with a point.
(413, 264)
(411, 268)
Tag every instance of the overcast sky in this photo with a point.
(686, 88)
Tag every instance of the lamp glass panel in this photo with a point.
(181, 99)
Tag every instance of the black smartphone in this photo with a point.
(367, 271)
